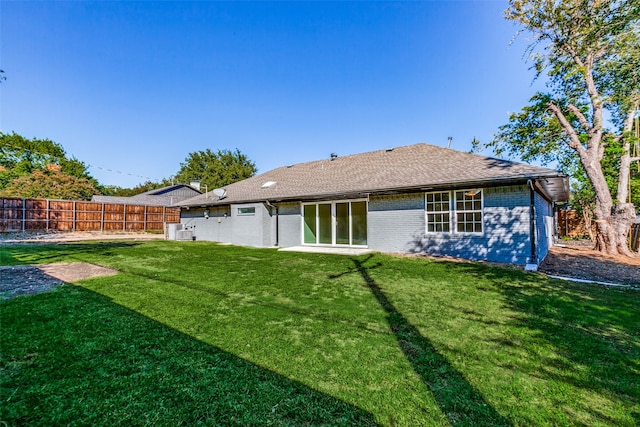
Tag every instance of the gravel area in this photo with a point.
(30, 279)
(578, 260)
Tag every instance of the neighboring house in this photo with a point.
(165, 196)
(412, 199)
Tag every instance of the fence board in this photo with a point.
(68, 215)
(635, 237)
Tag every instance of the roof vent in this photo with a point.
(195, 184)
(334, 156)
(389, 149)
(268, 184)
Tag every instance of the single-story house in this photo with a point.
(165, 196)
(412, 199)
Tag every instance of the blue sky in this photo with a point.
(136, 86)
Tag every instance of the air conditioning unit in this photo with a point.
(184, 235)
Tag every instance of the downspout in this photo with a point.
(277, 221)
(532, 222)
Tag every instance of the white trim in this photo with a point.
(333, 204)
(246, 213)
(453, 217)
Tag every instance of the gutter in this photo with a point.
(486, 183)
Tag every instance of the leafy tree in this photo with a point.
(50, 183)
(21, 157)
(215, 169)
(590, 50)
(140, 188)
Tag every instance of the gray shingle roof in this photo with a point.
(165, 196)
(412, 167)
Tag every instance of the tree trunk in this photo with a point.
(612, 232)
(613, 222)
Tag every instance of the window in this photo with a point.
(438, 212)
(457, 211)
(469, 211)
(335, 223)
(246, 211)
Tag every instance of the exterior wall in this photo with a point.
(290, 220)
(545, 228)
(252, 230)
(216, 228)
(397, 224)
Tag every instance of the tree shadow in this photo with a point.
(457, 398)
(117, 366)
(33, 252)
(495, 244)
(590, 332)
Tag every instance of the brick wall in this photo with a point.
(397, 224)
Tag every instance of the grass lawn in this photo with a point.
(193, 333)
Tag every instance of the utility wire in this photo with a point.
(88, 165)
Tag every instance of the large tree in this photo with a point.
(50, 183)
(590, 50)
(215, 169)
(22, 157)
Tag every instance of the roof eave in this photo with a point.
(487, 182)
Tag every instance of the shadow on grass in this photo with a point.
(458, 400)
(78, 358)
(590, 332)
(44, 252)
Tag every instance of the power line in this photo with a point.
(88, 165)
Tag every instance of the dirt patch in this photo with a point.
(30, 279)
(579, 260)
(73, 236)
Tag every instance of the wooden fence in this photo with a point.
(19, 215)
(634, 237)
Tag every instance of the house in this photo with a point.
(412, 199)
(165, 196)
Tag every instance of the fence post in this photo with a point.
(102, 219)
(46, 221)
(73, 224)
(24, 214)
(124, 218)
(144, 220)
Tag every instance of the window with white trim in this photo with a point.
(469, 211)
(247, 211)
(438, 212)
(454, 211)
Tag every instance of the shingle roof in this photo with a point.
(412, 167)
(165, 196)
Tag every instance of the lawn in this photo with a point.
(194, 333)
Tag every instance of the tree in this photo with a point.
(215, 169)
(50, 183)
(590, 50)
(140, 188)
(21, 158)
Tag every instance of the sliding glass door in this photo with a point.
(335, 223)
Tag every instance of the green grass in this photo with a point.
(193, 333)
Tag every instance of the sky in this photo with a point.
(131, 88)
